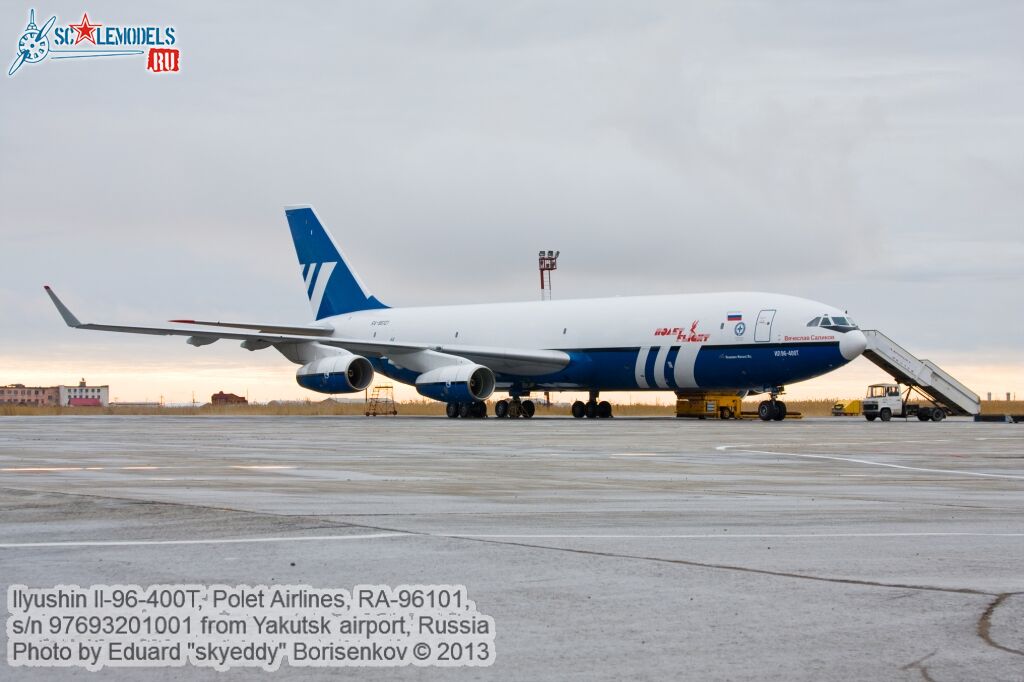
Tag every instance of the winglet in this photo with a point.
(69, 317)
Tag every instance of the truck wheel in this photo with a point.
(924, 415)
(938, 414)
(885, 414)
(870, 417)
(725, 413)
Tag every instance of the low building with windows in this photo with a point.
(83, 395)
(55, 396)
(20, 394)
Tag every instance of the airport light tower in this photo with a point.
(546, 262)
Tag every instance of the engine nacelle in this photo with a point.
(457, 383)
(336, 374)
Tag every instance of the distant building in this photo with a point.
(223, 398)
(63, 396)
(84, 396)
(20, 394)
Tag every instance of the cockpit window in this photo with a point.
(834, 322)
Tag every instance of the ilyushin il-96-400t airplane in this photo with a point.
(692, 344)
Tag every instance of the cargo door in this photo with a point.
(763, 328)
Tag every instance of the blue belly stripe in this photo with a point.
(757, 366)
(738, 366)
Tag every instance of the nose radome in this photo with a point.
(852, 344)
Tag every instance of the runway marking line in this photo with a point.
(455, 536)
(955, 472)
(146, 467)
(726, 536)
(214, 541)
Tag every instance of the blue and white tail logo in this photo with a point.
(332, 285)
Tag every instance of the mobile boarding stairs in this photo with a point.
(924, 375)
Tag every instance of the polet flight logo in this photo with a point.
(89, 39)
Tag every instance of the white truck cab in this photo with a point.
(885, 401)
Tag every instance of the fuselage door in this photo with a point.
(763, 328)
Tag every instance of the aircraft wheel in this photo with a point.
(452, 410)
(765, 411)
(501, 409)
(479, 409)
(938, 414)
(578, 409)
(529, 409)
(465, 410)
(604, 409)
(885, 415)
(780, 411)
(591, 408)
(515, 409)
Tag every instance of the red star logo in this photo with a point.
(85, 30)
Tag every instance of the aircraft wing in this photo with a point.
(267, 328)
(522, 361)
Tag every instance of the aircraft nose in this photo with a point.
(852, 344)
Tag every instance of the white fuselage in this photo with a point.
(660, 337)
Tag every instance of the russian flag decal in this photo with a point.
(735, 317)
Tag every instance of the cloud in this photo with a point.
(863, 154)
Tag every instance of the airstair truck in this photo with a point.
(885, 401)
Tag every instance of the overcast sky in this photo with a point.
(866, 154)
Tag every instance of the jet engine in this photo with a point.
(336, 374)
(457, 383)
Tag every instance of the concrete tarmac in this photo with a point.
(604, 550)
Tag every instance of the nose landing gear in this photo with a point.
(772, 410)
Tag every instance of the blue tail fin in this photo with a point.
(332, 285)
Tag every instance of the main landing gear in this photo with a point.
(514, 408)
(474, 410)
(592, 409)
(772, 410)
